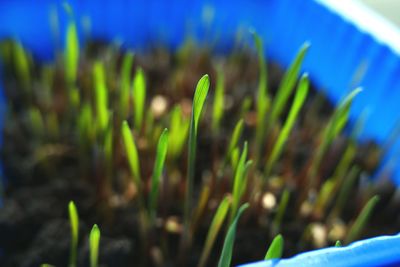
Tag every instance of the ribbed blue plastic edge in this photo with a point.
(383, 251)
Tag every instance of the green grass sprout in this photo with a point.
(240, 181)
(215, 227)
(101, 96)
(139, 97)
(281, 211)
(74, 222)
(94, 242)
(362, 219)
(338, 244)
(197, 108)
(275, 250)
(22, 65)
(71, 53)
(287, 84)
(298, 101)
(36, 120)
(179, 129)
(131, 153)
(237, 132)
(218, 105)
(161, 154)
(125, 84)
(227, 250)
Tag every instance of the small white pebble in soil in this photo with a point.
(337, 231)
(268, 201)
(172, 225)
(159, 105)
(319, 235)
(306, 209)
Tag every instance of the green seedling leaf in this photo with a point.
(139, 97)
(298, 102)
(361, 220)
(218, 105)
(235, 157)
(215, 227)
(131, 153)
(226, 254)
(275, 250)
(198, 103)
(330, 132)
(22, 65)
(46, 265)
(162, 148)
(71, 53)
(179, 129)
(281, 210)
(125, 84)
(94, 242)
(85, 122)
(101, 96)
(287, 84)
(74, 222)
(338, 244)
(36, 120)
(240, 181)
(237, 132)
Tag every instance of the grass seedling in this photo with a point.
(125, 84)
(74, 222)
(237, 133)
(162, 148)
(298, 101)
(226, 254)
(22, 65)
(215, 227)
(36, 120)
(362, 219)
(131, 154)
(218, 105)
(287, 85)
(71, 53)
(197, 108)
(240, 181)
(101, 96)
(94, 242)
(179, 129)
(139, 98)
(338, 244)
(275, 250)
(281, 211)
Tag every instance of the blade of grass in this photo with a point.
(71, 53)
(131, 153)
(361, 220)
(125, 84)
(237, 132)
(298, 101)
(179, 129)
(198, 103)
(94, 241)
(226, 254)
(287, 84)
(22, 65)
(275, 250)
(139, 97)
(214, 229)
(101, 96)
(218, 105)
(281, 211)
(338, 244)
(74, 222)
(161, 154)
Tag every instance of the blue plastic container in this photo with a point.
(351, 47)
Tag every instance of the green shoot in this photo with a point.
(298, 101)
(235, 157)
(331, 131)
(101, 96)
(131, 153)
(162, 148)
(240, 181)
(275, 250)
(74, 222)
(281, 210)
(215, 227)
(139, 97)
(21, 60)
(94, 242)
(226, 254)
(197, 108)
(361, 220)
(179, 129)
(237, 132)
(218, 105)
(46, 265)
(338, 244)
(125, 84)
(71, 53)
(287, 85)
(263, 99)
(85, 122)
(36, 120)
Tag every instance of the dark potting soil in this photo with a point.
(42, 178)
